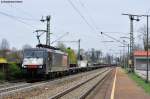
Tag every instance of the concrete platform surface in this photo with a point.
(126, 88)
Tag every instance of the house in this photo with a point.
(140, 62)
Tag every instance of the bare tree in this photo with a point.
(108, 58)
(93, 55)
(143, 31)
(4, 45)
(138, 47)
(4, 48)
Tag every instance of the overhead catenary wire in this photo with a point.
(60, 37)
(87, 12)
(78, 11)
(116, 32)
(15, 18)
(26, 13)
(90, 16)
(113, 38)
(22, 18)
(95, 26)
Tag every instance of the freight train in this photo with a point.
(48, 62)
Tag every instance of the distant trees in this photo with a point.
(138, 47)
(12, 55)
(93, 55)
(4, 44)
(15, 56)
(4, 48)
(108, 58)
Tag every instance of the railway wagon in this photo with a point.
(42, 61)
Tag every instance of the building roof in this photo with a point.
(141, 53)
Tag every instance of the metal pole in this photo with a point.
(131, 42)
(48, 30)
(128, 57)
(120, 57)
(147, 54)
(132, 18)
(79, 50)
(124, 53)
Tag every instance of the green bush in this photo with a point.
(2, 75)
(14, 71)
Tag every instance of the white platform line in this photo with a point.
(113, 87)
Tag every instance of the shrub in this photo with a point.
(14, 71)
(2, 75)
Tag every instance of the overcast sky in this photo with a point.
(102, 15)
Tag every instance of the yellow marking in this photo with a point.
(114, 85)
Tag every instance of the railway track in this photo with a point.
(12, 90)
(82, 89)
(6, 85)
(103, 89)
(10, 84)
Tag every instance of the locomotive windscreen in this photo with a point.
(33, 59)
(33, 54)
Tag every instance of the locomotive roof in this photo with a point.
(46, 49)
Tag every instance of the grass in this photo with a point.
(140, 82)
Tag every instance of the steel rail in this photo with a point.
(61, 94)
(12, 87)
(84, 95)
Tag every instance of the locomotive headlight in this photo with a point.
(24, 66)
(40, 66)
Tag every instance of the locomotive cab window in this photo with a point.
(33, 54)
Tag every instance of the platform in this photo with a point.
(126, 88)
(118, 86)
